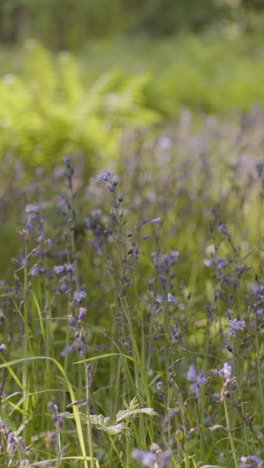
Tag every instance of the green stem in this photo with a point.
(231, 440)
(89, 426)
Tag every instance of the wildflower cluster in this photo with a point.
(161, 292)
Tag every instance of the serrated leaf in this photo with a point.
(100, 422)
(124, 414)
(106, 424)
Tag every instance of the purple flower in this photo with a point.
(30, 208)
(115, 180)
(69, 267)
(59, 269)
(174, 257)
(235, 326)
(156, 221)
(69, 349)
(72, 321)
(82, 313)
(11, 444)
(220, 263)
(67, 161)
(159, 384)
(226, 371)
(25, 463)
(164, 459)
(36, 270)
(160, 299)
(78, 296)
(88, 223)
(110, 187)
(196, 379)
(246, 462)
(191, 375)
(171, 299)
(104, 175)
(145, 457)
(2, 347)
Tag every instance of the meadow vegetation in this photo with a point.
(132, 310)
(131, 234)
(55, 104)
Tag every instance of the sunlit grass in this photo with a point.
(132, 322)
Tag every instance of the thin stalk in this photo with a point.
(137, 355)
(27, 341)
(231, 440)
(259, 374)
(89, 426)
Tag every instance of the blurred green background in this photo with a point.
(61, 24)
(75, 74)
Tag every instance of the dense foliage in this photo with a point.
(69, 23)
(132, 326)
(52, 105)
(131, 302)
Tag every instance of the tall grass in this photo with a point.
(132, 328)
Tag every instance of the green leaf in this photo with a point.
(106, 424)
(124, 414)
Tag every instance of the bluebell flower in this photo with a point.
(235, 326)
(78, 296)
(156, 220)
(164, 459)
(113, 217)
(59, 269)
(159, 384)
(250, 461)
(67, 162)
(72, 321)
(260, 169)
(110, 187)
(171, 299)
(174, 257)
(196, 379)
(160, 299)
(220, 263)
(145, 457)
(88, 223)
(115, 180)
(104, 175)
(145, 237)
(30, 208)
(82, 313)
(41, 238)
(226, 371)
(69, 349)
(36, 270)
(25, 463)
(66, 159)
(191, 375)
(69, 267)
(2, 347)
(11, 444)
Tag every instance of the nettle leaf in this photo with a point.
(100, 422)
(106, 424)
(124, 414)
